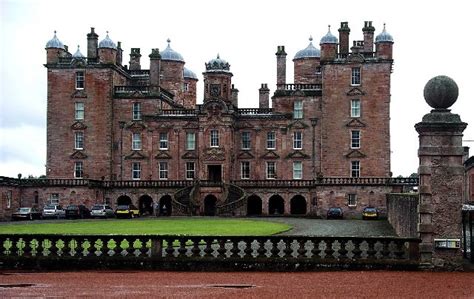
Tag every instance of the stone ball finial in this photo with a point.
(441, 92)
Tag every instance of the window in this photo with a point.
(297, 140)
(137, 111)
(78, 170)
(163, 141)
(318, 70)
(271, 170)
(79, 140)
(246, 140)
(352, 200)
(79, 110)
(54, 198)
(163, 170)
(271, 140)
(355, 169)
(245, 170)
(355, 78)
(297, 170)
(190, 141)
(185, 87)
(80, 80)
(190, 170)
(136, 141)
(136, 170)
(355, 108)
(355, 139)
(9, 199)
(214, 138)
(298, 109)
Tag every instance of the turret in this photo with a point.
(189, 88)
(384, 45)
(368, 31)
(92, 42)
(134, 63)
(107, 51)
(54, 49)
(344, 38)
(306, 62)
(172, 67)
(263, 96)
(217, 80)
(328, 45)
(281, 67)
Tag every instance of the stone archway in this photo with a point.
(298, 205)
(165, 207)
(276, 205)
(145, 205)
(210, 205)
(254, 205)
(124, 200)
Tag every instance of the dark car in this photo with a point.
(26, 213)
(127, 211)
(335, 213)
(370, 213)
(77, 211)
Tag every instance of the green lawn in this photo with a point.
(171, 226)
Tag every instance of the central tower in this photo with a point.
(217, 81)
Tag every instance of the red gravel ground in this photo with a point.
(342, 284)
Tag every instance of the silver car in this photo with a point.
(53, 211)
(103, 211)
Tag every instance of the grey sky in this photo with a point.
(431, 38)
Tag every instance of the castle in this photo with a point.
(122, 134)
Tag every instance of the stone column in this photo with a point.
(441, 175)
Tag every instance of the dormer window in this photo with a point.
(80, 80)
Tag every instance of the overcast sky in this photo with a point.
(431, 38)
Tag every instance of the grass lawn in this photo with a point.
(170, 226)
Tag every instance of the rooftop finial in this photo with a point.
(310, 38)
(383, 26)
(107, 32)
(218, 56)
(329, 28)
(168, 41)
(54, 32)
(78, 47)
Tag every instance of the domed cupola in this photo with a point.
(188, 74)
(309, 52)
(78, 53)
(217, 65)
(107, 43)
(170, 54)
(384, 37)
(55, 43)
(328, 38)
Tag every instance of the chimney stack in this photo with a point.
(135, 59)
(155, 61)
(119, 53)
(281, 67)
(234, 96)
(344, 38)
(264, 96)
(368, 31)
(92, 45)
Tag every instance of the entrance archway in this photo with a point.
(276, 205)
(165, 206)
(298, 205)
(254, 205)
(210, 205)
(124, 200)
(145, 205)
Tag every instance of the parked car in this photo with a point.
(53, 211)
(370, 213)
(127, 211)
(77, 211)
(335, 213)
(103, 211)
(26, 213)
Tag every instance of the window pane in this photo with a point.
(190, 170)
(136, 142)
(298, 109)
(78, 170)
(214, 138)
(352, 200)
(163, 141)
(297, 140)
(79, 140)
(245, 170)
(163, 170)
(137, 111)
(80, 80)
(355, 169)
(355, 108)
(355, 76)
(136, 171)
(245, 140)
(271, 170)
(79, 110)
(190, 141)
(297, 170)
(271, 140)
(355, 139)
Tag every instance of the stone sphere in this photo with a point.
(441, 92)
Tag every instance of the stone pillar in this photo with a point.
(441, 175)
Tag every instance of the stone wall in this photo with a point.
(402, 213)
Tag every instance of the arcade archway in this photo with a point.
(276, 205)
(298, 205)
(254, 205)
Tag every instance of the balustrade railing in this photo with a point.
(139, 73)
(177, 112)
(255, 111)
(148, 184)
(189, 249)
(327, 181)
(299, 86)
(130, 89)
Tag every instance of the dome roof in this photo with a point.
(309, 52)
(217, 64)
(78, 53)
(328, 38)
(384, 37)
(187, 73)
(170, 54)
(54, 43)
(107, 43)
